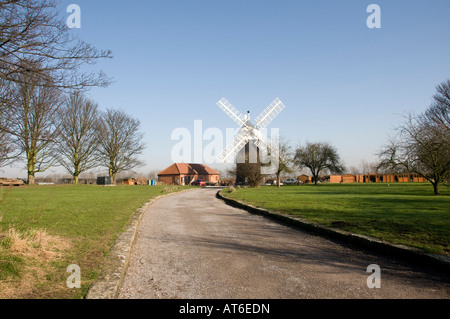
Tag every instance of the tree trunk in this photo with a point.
(76, 171)
(113, 178)
(436, 188)
(30, 178)
(30, 171)
(278, 180)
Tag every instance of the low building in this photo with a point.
(377, 178)
(185, 174)
(103, 180)
(418, 179)
(348, 178)
(129, 181)
(404, 178)
(11, 182)
(304, 179)
(335, 179)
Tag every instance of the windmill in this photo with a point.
(249, 139)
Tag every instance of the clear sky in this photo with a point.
(340, 81)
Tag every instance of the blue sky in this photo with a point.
(340, 81)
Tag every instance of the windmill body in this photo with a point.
(245, 148)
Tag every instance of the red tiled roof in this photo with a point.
(203, 169)
(188, 169)
(184, 168)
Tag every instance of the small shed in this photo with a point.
(128, 181)
(104, 180)
(348, 178)
(304, 179)
(404, 178)
(11, 182)
(335, 179)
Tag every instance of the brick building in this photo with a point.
(377, 178)
(304, 179)
(348, 178)
(184, 174)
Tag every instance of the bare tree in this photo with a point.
(422, 143)
(439, 115)
(421, 146)
(120, 142)
(318, 157)
(439, 112)
(368, 167)
(153, 174)
(251, 173)
(353, 170)
(285, 160)
(365, 167)
(32, 30)
(416, 149)
(32, 121)
(78, 138)
(6, 146)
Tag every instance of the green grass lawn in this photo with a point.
(55, 226)
(400, 213)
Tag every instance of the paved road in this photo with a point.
(191, 245)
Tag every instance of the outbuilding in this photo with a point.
(184, 174)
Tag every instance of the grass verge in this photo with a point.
(44, 229)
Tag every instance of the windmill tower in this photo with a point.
(246, 145)
(248, 161)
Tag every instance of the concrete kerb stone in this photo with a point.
(405, 252)
(115, 266)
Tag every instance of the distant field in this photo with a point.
(404, 213)
(44, 229)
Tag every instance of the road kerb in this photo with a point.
(115, 266)
(408, 253)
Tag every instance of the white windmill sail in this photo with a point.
(232, 112)
(269, 114)
(249, 131)
(235, 146)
